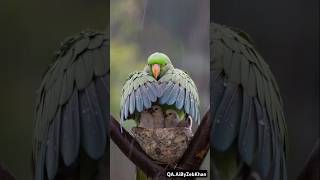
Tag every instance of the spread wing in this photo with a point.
(138, 93)
(247, 106)
(177, 88)
(72, 105)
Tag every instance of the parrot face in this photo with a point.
(158, 64)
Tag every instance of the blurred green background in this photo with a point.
(139, 28)
(30, 33)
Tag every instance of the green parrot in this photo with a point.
(248, 133)
(159, 85)
(72, 108)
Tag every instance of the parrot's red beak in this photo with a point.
(156, 70)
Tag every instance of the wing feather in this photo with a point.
(146, 100)
(141, 91)
(92, 123)
(173, 80)
(187, 102)
(225, 125)
(139, 101)
(80, 67)
(70, 130)
(52, 156)
(248, 131)
(152, 91)
(165, 92)
(180, 98)
(260, 128)
(132, 102)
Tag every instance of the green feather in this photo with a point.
(239, 63)
(158, 58)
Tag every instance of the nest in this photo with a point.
(165, 145)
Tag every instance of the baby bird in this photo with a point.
(145, 120)
(171, 118)
(152, 118)
(187, 122)
(157, 113)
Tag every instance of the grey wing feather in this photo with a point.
(126, 107)
(177, 88)
(264, 146)
(226, 118)
(40, 163)
(248, 130)
(145, 95)
(139, 101)
(187, 102)
(138, 93)
(180, 98)
(92, 123)
(174, 94)
(192, 107)
(70, 130)
(155, 88)
(132, 102)
(102, 84)
(52, 156)
(259, 124)
(152, 91)
(166, 93)
(81, 61)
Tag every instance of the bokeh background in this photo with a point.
(139, 28)
(286, 33)
(30, 32)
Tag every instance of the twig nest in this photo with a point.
(165, 145)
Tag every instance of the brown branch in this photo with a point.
(191, 159)
(311, 170)
(5, 174)
(130, 147)
(198, 147)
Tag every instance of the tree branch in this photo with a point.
(311, 170)
(198, 147)
(130, 147)
(5, 174)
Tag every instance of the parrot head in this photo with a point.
(158, 64)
